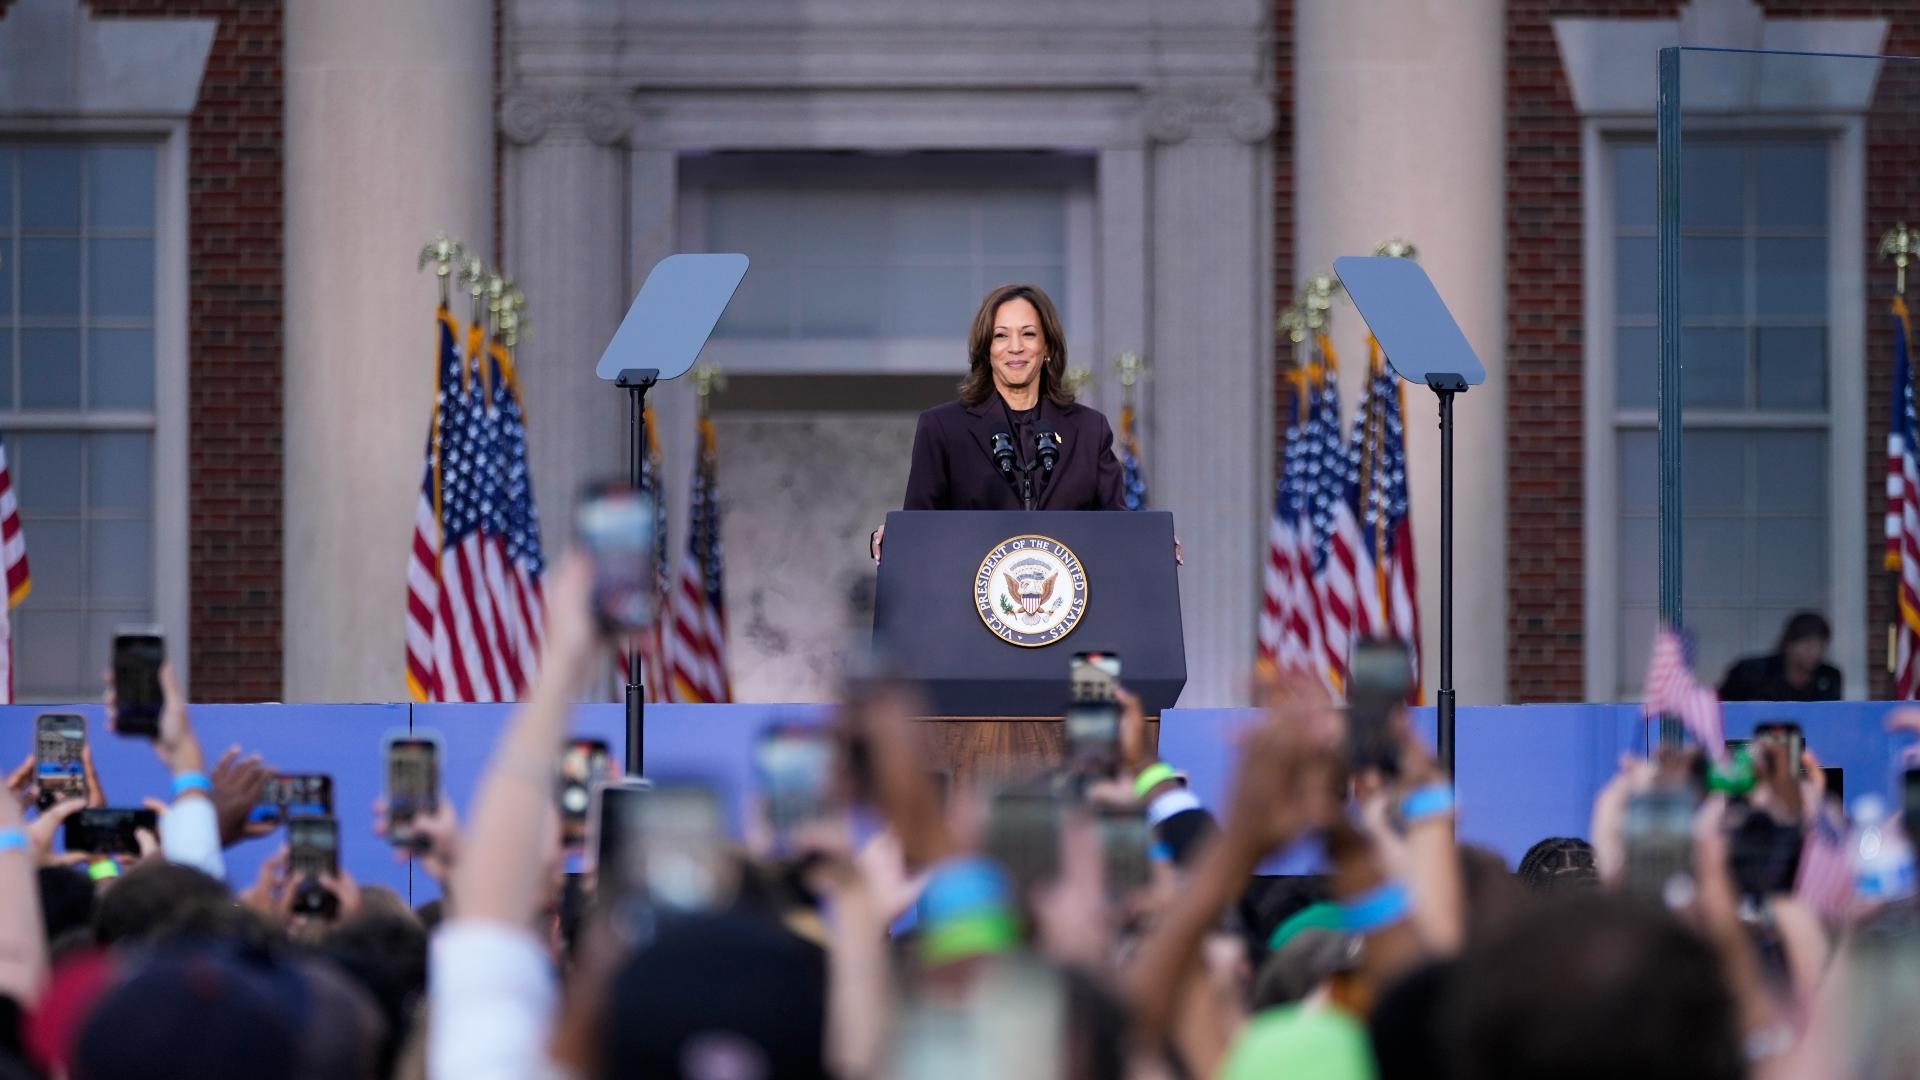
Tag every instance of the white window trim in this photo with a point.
(170, 474)
(1846, 389)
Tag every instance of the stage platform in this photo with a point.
(1525, 772)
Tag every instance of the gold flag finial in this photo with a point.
(510, 319)
(708, 380)
(473, 275)
(1316, 300)
(1899, 244)
(1077, 378)
(1293, 323)
(442, 253)
(1397, 248)
(1132, 368)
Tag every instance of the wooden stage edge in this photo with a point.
(1000, 749)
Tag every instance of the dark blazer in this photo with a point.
(953, 465)
(1764, 678)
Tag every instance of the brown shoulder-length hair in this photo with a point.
(978, 385)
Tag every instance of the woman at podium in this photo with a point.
(1015, 438)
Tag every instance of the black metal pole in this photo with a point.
(636, 382)
(1446, 699)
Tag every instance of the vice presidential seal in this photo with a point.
(1031, 590)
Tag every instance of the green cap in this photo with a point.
(1324, 915)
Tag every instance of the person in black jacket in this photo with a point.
(1016, 381)
(1797, 671)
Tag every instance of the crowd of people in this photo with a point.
(901, 928)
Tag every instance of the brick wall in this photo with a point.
(1283, 193)
(234, 345)
(1545, 323)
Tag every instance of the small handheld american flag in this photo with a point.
(1672, 690)
(13, 557)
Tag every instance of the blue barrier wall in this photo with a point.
(1525, 772)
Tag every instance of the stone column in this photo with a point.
(1399, 129)
(1212, 351)
(389, 139)
(566, 229)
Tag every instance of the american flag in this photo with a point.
(1903, 512)
(1133, 489)
(652, 661)
(1386, 518)
(1824, 880)
(13, 556)
(696, 635)
(475, 603)
(1672, 690)
(1343, 573)
(1290, 616)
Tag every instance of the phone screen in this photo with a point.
(1659, 836)
(796, 767)
(313, 845)
(137, 656)
(584, 762)
(681, 847)
(1124, 841)
(1023, 836)
(108, 830)
(1910, 805)
(59, 769)
(616, 830)
(1093, 709)
(616, 526)
(1380, 680)
(1787, 734)
(287, 794)
(413, 783)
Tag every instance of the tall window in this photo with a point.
(1754, 344)
(77, 298)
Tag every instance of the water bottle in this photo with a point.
(1882, 861)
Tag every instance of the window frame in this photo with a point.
(1074, 175)
(169, 418)
(1845, 137)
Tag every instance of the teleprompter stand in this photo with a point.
(659, 339)
(1425, 345)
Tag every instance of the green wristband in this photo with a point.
(1152, 777)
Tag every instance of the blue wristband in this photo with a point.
(14, 840)
(1430, 801)
(191, 781)
(1376, 910)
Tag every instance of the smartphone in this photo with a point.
(59, 771)
(138, 653)
(413, 782)
(1910, 805)
(680, 846)
(1659, 836)
(615, 524)
(796, 767)
(1785, 733)
(1836, 782)
(287, 794)
(1093, 709)
(1379, 681)
(1764, 854)
(1124, 844)
(613, 832)
(1023, 836)
(313, 846)
(584, 761)
(108, 830)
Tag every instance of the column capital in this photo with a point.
(528, 115)
(1244, 115)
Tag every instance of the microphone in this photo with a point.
(1046, 443)
(1002, 446)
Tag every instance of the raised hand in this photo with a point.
(238, 784)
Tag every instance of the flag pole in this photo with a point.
(1899, 244)
(636, 382)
